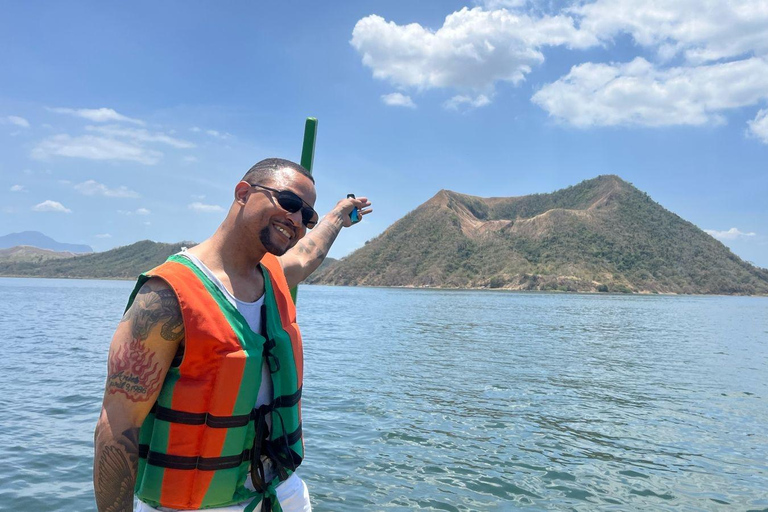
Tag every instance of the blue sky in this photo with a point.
(128, 121)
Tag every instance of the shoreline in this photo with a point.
(438, 288)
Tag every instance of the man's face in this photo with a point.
(281, 229)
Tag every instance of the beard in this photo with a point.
(265, 237)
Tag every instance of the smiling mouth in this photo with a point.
(284, 232)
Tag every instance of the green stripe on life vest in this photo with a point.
(285, 420)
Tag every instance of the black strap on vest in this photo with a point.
(213, 421)
(200, 418)
(165, 460)
(278, 450)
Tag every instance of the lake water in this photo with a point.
(441, 400)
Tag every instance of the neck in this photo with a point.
(226, 251)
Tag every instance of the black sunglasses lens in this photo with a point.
(293, 203)
(308, 217)
(289, 201)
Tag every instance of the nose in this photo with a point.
(295, 217)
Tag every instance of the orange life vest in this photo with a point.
(198, 443)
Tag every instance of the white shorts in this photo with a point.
(292, 495)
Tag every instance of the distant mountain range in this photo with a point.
(119, 263)
(41, 241)
(600, 235)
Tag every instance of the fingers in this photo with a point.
(361, 202)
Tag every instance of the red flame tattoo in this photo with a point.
(134, 372)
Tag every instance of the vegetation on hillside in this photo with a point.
(31, 254)
(600, 235)
(120, 263)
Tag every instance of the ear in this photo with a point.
(241, 192)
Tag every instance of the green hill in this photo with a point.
(31, 254)
(119, 263)
(600, 235)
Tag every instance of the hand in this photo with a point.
(345, 206)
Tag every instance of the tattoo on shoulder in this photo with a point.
(152, 305)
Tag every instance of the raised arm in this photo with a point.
(142, 349)
(309, 253)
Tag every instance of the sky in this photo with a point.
(125, 121)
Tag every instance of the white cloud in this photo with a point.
(189, 159)
(103, 235)
(473, 49)
(110, 142)
(720, 49)
(758, 127)
(638, 93)
(502, 4)
(139, 135)
(205, 208)
(701, 30)
(18, 188)
(195, 129)
(17, 121)
(731, 234)
(94, 148)
(397, 99)
(93, 188)
(459, 101)
(217, 134)
(51, 206)
(97, 115)
(139, 211)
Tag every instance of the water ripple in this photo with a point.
(433, 400)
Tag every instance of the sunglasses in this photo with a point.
(292, 203)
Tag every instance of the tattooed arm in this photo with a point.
(304, 258)
(144, 344)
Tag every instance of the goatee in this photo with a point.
(265, 236)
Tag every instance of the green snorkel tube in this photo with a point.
(307, 158)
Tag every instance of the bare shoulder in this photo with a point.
(155, 304)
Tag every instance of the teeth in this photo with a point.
(283, 231)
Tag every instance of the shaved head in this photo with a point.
(269, 170)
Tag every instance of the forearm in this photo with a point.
(313, 248)
(115, 464)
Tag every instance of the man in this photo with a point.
(202, 405)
